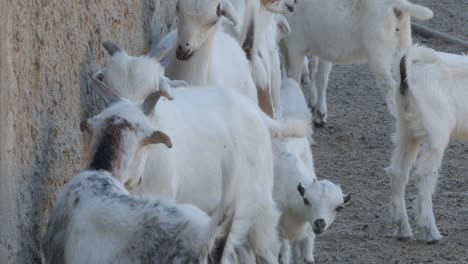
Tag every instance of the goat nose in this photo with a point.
(182, 54)
(320, 224)
(290, 8)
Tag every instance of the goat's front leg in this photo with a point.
(285, 253)
(307, 247)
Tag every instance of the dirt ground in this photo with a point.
(355, 147)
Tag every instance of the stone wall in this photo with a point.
(48, 51)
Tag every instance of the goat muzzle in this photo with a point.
(182, 54)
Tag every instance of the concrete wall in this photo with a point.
(48, 51)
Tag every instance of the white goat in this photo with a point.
(96, 220)
(294, 166)
(201, 53)
(344, 31)
(210, 126)
(303, 200)
(432, 110)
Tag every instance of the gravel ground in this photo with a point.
(355, 147)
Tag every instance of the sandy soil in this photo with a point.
(355, 147)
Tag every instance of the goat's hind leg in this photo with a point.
(380, 64)
(403, 157)
(321, 82)
(427, 173)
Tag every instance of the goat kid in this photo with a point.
(307, 206)
(432, 110)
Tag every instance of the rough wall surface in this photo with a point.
(48, 51)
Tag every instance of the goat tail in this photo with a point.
(415, 54)
(417, 11)
(404, 86)
(222, 219)
(291, 127)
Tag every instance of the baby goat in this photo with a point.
(308, 207)
(432, 110)
(96, 220)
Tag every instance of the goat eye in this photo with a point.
(212, 23)
(339, 208)
(306, 202)
(177, 8)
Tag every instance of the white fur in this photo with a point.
(211, 126)
(324, 197)
(294, 165)
(269, 28)
(431, 112)
(113, 226)
(217, 58)
(349, 31)
(96, 220)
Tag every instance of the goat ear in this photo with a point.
(226, 9)
(158, 137)
(165, 84)
(247, 45)
(109, 96)
(346, 198)
(177, 83)
(111, 47)
(152, 99)
(283, 25)
(160, 54)
(301, 189)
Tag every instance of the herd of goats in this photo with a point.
(235, 181)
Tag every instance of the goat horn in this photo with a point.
(152, 99)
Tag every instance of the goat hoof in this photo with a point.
(403, 239)
(432, 242)
(319, 119)
(432, 236)
(319, 124)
